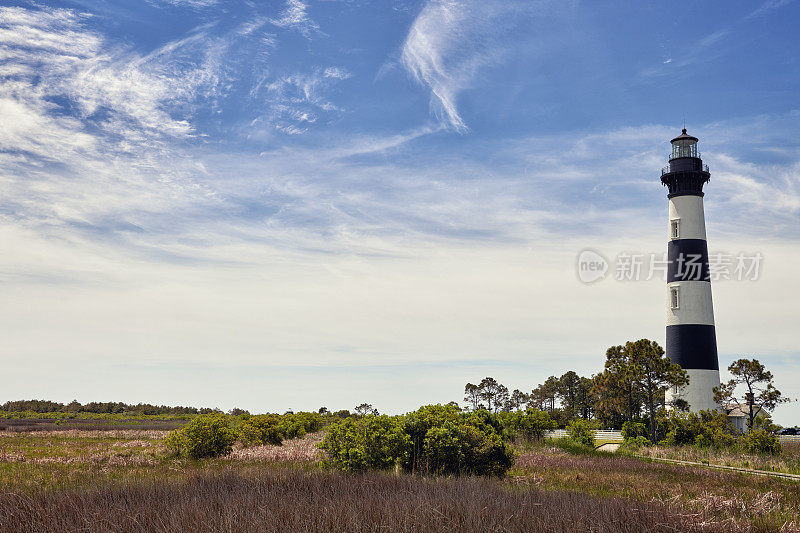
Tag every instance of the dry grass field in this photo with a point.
(27, 425)
(276, 499)
(737, 502)
(788, 461)
(124, 480)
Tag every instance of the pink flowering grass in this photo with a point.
(295, 450)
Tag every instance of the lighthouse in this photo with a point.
(691, 338)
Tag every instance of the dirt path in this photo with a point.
(608, 447)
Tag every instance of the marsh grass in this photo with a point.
(87, 424)
(787, 461)
(291, 500)
(127, 481)
(294, 451)
(79, 459)
(739, 501)
(75, 446)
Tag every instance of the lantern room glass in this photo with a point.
(684, 148)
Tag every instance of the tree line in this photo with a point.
(46, 406)
(631, 388)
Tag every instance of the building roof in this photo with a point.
(684, 137)
(741, 410)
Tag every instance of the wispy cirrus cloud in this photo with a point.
(70, 75)
(767, 7)
(89, 127)
(710, 47)
(120, 153)
(158, 206)
(93, 130)
(297, 100)
(295, 16)
(450, 42)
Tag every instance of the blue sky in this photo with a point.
(291, 204)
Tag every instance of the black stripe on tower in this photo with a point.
(686, 176)
(685, 183)
(688, 260)
(693, 346)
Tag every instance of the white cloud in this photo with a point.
(196, 4)
(114, 91)
(48, 30)
(767, 7)
(95, 136)
(451, 41)
(295, 16)
(28, 127)
(88, 128)
(125, 242)
(773, 190)
(296, 100)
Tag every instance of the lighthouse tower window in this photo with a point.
(674, 298)
(675, 229)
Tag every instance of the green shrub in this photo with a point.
(632, 430)
(205, 436)
(465, 448)
(634, 444)
(683, 432)
(581, 432)
(530, 425)
(703, 440)
(663, 423)
(296, 425)
(765, 422)
(721, 438)
(572, 447)
(703, 429)
(447, 441)
(419, 423)
(449, 448)
(762, 442)
(561, 417)
(434, 440)
(260, 430)
(533, 424)
(364, 443)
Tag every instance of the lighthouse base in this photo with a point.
(699, 393)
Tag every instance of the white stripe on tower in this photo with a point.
(688, 210)
(691, 337)
(694, 301)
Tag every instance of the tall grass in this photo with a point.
(25, 425)
(787, 461)
(291, 500)
(739, 501)
(126, 481)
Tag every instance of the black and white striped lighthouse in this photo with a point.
(691, 338)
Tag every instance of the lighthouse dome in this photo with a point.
(684, 145)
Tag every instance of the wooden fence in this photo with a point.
(599, 434)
